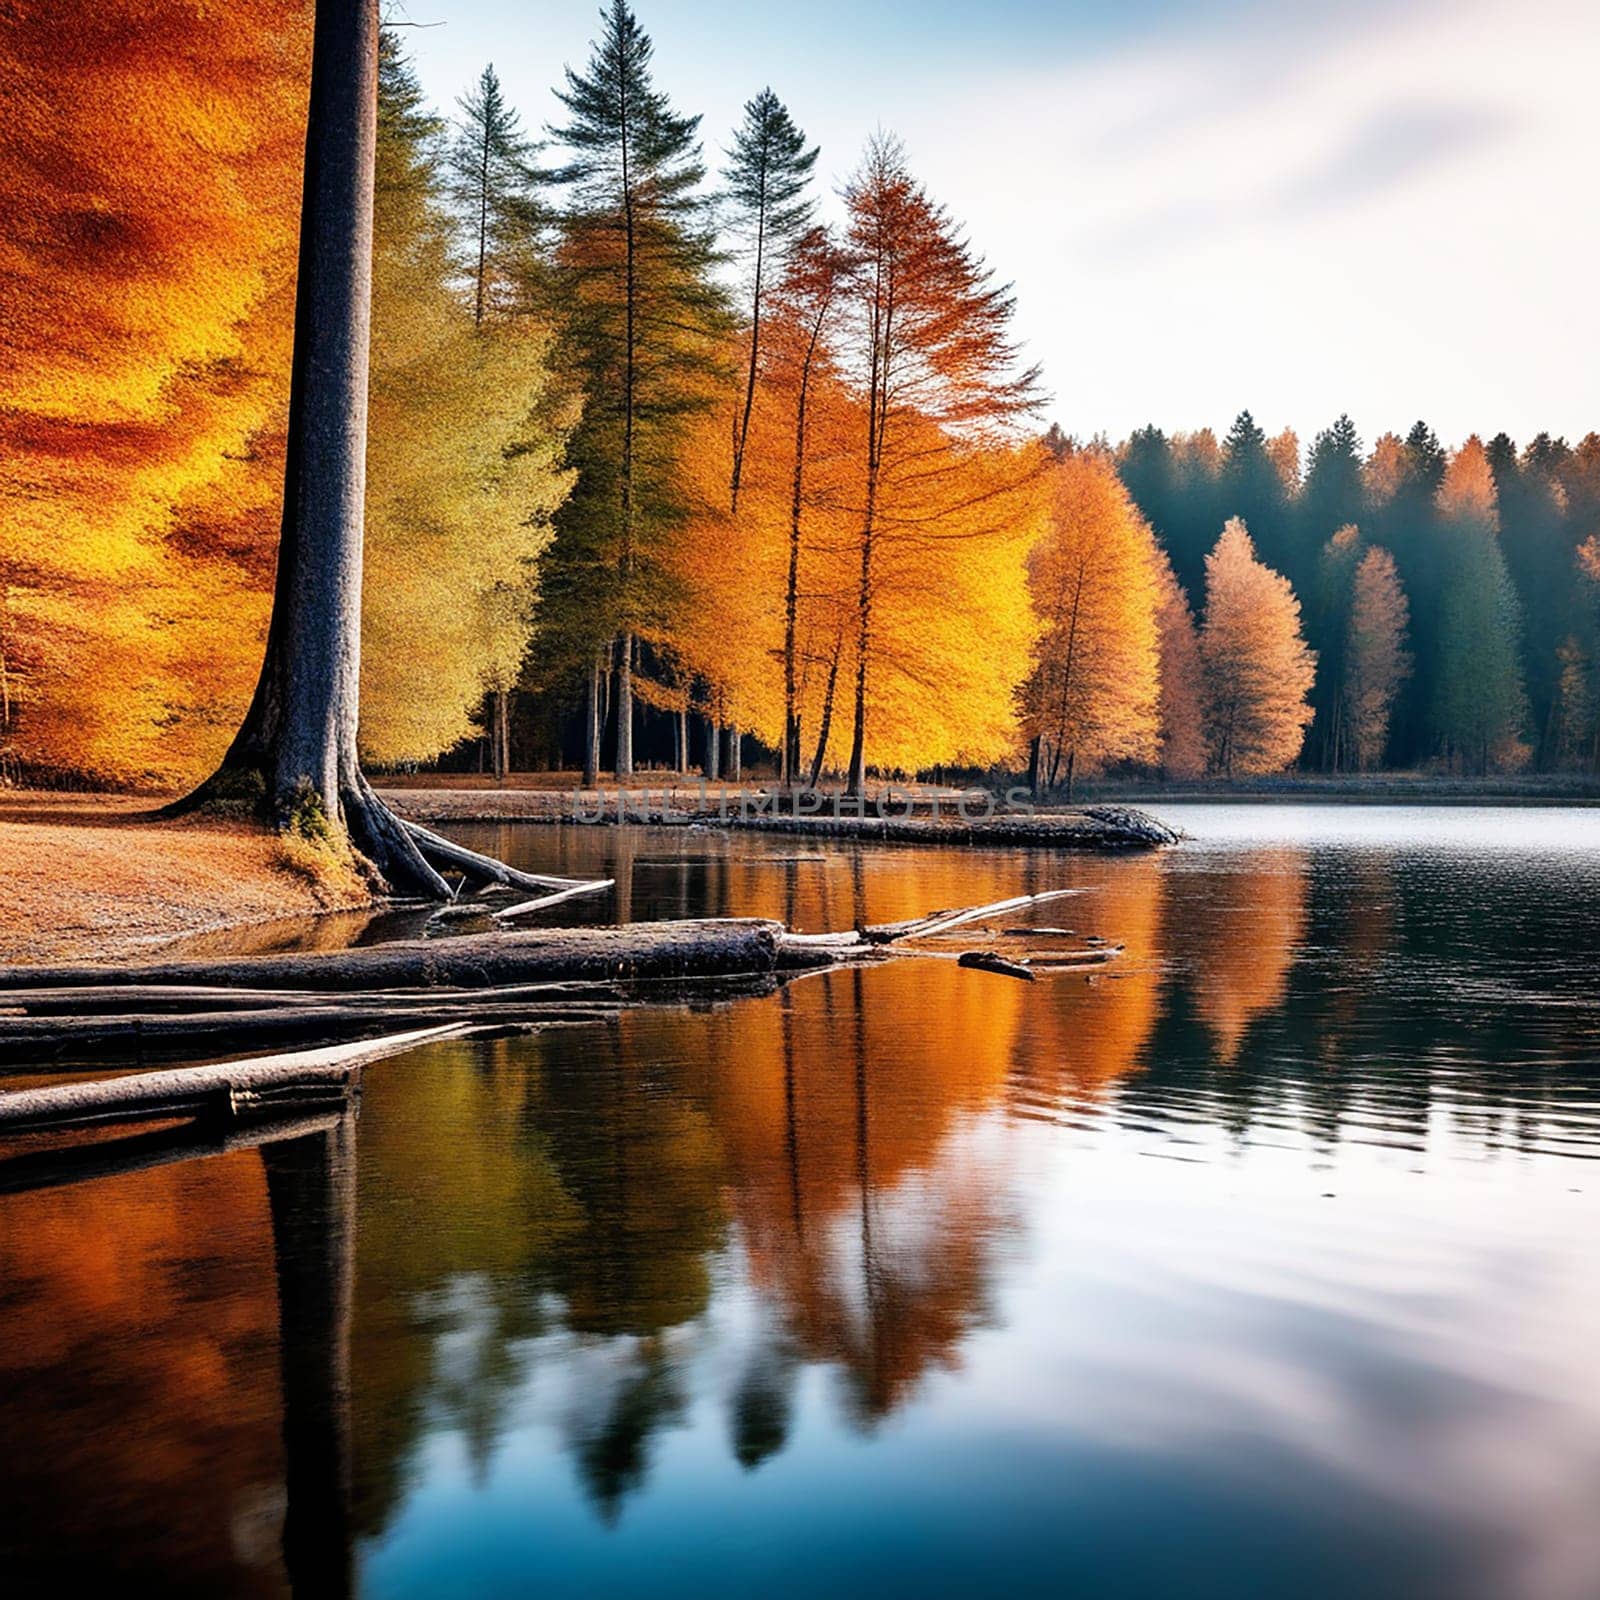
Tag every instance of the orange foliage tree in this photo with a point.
(1183, 733)
(929, 348)
(150, 184)
(1258, 668)
(1093, 695)
(1376, 662)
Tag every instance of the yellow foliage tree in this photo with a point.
(1093, 695)
(464, 464)
(1258, 669)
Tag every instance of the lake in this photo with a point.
(1263, 1262)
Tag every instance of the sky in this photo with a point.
(1302, 208)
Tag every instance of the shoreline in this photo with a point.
(98, 877)
(917, 816)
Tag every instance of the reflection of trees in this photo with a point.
(139, 1384)
(867, 1231)
(1239, 941)
(1082, 1033)
(184, 1415)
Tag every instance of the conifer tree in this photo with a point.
(1330, 498)
(644, 330)
(1258, 669)
(493, 184)
(1252, 487)
(768, 173)
(1479, 705)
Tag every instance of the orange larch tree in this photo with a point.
(1258, 668)
(1376, 661)
(928, 344)
(1183, 732)
(1093, 695)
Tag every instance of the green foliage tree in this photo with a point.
(1479, 703)
(644, 329)
(767, 176)
(494, 186)
(1252, 487)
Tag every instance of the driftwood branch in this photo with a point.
(268, 1086)
(446, 853)
(524, 908)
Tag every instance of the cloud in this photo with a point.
(1394, 147)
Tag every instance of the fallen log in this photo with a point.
(123, 999)
(268, 1086)
(637, 952)
(138, 1037)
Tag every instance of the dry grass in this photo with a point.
(98, 878)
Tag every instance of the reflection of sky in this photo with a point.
(1303, 208)
(1294, 1377)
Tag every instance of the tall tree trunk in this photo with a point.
(855, 782)
(591, 724)
(742, 431)
(297, 746)
(1072, 761)
(683, 734)
(713, 748)
(826, 725)
(1033, 766)
(735, 752)
(625, 707)
(502, 730)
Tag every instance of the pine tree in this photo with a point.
(644, 330)
(1252, 487)
(1479, 706)
(1258, 669)
(1331, 497)
(494, 187)
(768, 173)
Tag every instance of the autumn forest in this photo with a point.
(665, 470)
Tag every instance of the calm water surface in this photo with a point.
(1265, 1263)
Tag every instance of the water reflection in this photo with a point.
(1280, 1224)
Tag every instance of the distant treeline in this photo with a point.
(1504, 630)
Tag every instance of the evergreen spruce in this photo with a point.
(768, 174)
(644, 323)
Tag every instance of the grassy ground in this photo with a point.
(96, 877)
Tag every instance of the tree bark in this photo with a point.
(591, 725)
(296, 750)
(826, 726)
(624, 767)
